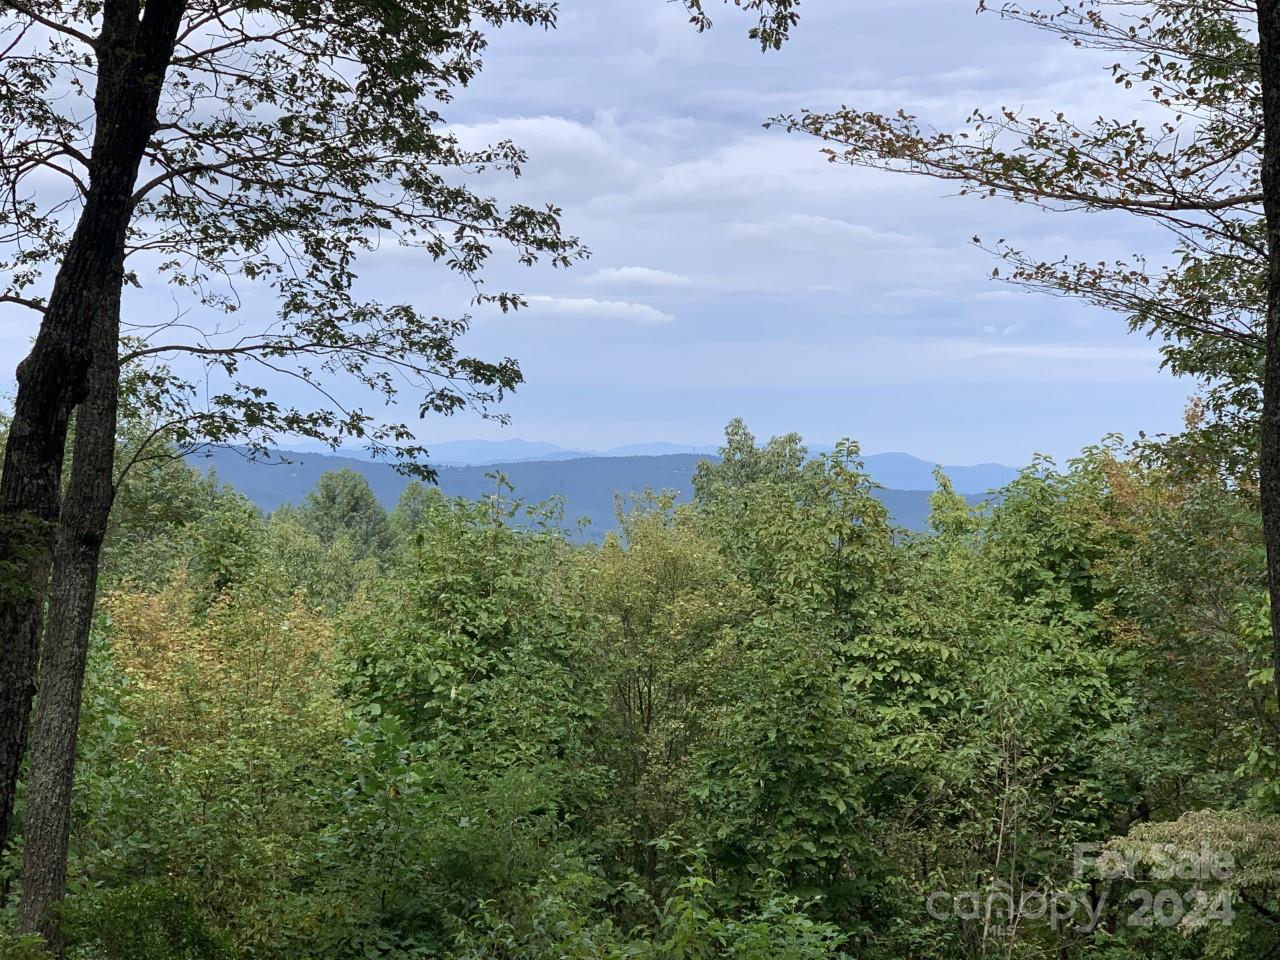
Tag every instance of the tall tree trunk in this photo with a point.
(134, 48)
(1269, 464)
(60, 680)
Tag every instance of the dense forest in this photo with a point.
(763, 723)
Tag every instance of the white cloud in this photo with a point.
(602, 309)
(567, 160)
(637, 277)
(811, 229)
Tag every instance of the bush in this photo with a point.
(145, 921)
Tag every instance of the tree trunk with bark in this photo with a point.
(133, 52)
(64, 652)
(1269, 463)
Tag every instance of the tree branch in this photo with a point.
(62, 28)
(35, 305)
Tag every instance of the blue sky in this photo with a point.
(736, 273)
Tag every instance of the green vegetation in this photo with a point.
(766, 724)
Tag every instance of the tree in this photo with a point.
(775, 18)
(782, 782)
(60, 677)
(218, 144)
(666, 603)
(235, 706)
(1269, 57)
(1207, 173)
(342, 504)
(1195, 174)
(282, 184)
(321, 140)
(413, 505)
(53, 378)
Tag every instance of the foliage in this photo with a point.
(285, 148)
(343, 506)
(151, 921)
(764, 724)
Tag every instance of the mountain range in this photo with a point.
(587, 481)
(900, 471)
(478, 453)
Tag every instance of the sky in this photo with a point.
(736, 273)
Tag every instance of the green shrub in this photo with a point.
(144, 921)
(16, 947)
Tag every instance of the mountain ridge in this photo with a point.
(588, 485)
(893, 469)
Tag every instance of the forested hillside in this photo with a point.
(758, 724)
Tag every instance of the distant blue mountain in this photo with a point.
(481, 452)
(656, 450)
(587, 484)
(895, 471)
(462, 453)
(902, 471)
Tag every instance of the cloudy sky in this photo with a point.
(735, 273)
